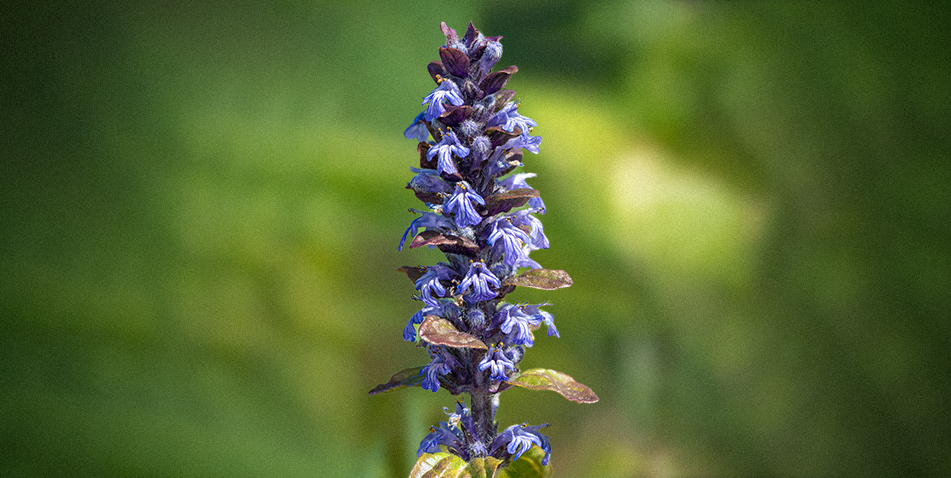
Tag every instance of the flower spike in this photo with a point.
(481, 213)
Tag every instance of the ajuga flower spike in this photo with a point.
(482, 215)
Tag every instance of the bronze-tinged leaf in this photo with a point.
(547, 379)
(439, 331)
(499, 136)
(544, 279)
(463, 247)
(455, 61)
(445, 242)
(508, 200)
(502, 98)
(424, 161)
(497, 80)
(413, 272)
(407, 378)
(455, 114)
(471, 35)
(430, 238)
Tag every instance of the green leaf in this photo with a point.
(439, 331)
(545, 279)
(407, 378)
(438, 465)
(447, 465)
(484, 467)
(547, 379)
(529, 465)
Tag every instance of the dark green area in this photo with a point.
(200, 205)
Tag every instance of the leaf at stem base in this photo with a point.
(447, 465)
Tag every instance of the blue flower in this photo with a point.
(428, 221)
(543, 317)
(524, 141)
(478, 279)
(517, 325)
(461, 421)
(429, 283)
(507, 239)
(499, 162)
(446, 91)
(418, 129)
(428, 182)
(517, 181)
(438, 366)
(409, 332)
(517, 439)
(498, 361)
(509, 119)
(445, 148)
(444, 435)
(460, 204)
(523, 218)
(521, 442)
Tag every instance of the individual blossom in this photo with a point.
(437, 366)
(543, 317)
(498, 362)
(444, 435)
(508, 119)
(517, 325)
(462, 205)
(446, 91)
(429, 283)
(418, 129)
(428, 185)
(409, 331)
(536, 231)
(500, 162)
(517, 439)
(449, 145)
(479, 278)
(507, 239)
(525, 141)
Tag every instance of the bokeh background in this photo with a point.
(201, 203)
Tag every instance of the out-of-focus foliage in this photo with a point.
(201, 203)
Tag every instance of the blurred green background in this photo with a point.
(201, 204)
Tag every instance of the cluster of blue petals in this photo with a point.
(482, 215)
